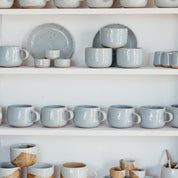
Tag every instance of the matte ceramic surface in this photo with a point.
(154, 116)
(42, 63)
(122, 116)
(133, 3)
(98, 57)
(166, 60)
(88, 116)
(130, 58)
(41, 170)
(174, 60)
(166, 3)
(32, 3)
(52, 54)
(137, 173)
(68, 3)
(62, 63)
(169, 173)
(6, 4)
(55, 116)
(8, 170)
(12, 56)
(48, 37)
(174, 110)
(158, 56)
(74, 170)
(99, 3)
(113, 37)
(22, 115)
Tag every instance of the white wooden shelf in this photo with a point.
(74, 131)
(89, 11)
(88, 71)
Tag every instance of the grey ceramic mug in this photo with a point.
(166, 60)
(158, 56)
(154, 116)
(174, 110)
(22, 115)
(122, 116)
(174, 60)
(87, 116)
(12, 56)
(55, 116)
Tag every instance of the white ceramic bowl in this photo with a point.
(166, 3)
(99, 3)
(67, 3)
(32, 3)
(5, 4)
(133, 3)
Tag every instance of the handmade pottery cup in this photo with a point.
(122, 116)
(40, 170)
(127, 164)
(32, 3)
(68, 3)
(130, 57)
(166, 60)
(113, 37)
(42, 63)
(98, 57)
(11, 56)
(5, 4)
(22, 115)
(55, 116)
(116, 172)
(137, 173)
(158, 56)
(135, 3)
(154, 117)
(7, 170)
(52, 54)
(167, 172)
(87, 116)
(166, 3)
(174, 60)
(174, 110)
(62, 63)
(23, 154)
(99, 3)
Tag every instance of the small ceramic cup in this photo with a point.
(87, 116)
(154, 117)
(166, 60)
(158, 56)
(98, 57)
(166, 3)
(137, 173)
(55, 116)
(52, 54)
(99, 3)
(22, 115)
(5, 4)
(127, 164)
(40, 170)
(28, 4)
(167, 172)
(42, 63)
(23, 154)
(62, 63)
(174, 110)
(130, 57)
(122, 116)
(135, 3)
(7, 170)
(113, 37)
(174, 60)
(116, 172)
(67, 4)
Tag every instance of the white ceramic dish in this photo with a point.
(31, 3)
(48, 37)
(133, 3)
(166, 3)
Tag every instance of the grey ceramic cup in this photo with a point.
(122, 116)
(99, 3)
(158, 56)
(130, 57)
(166, 60)
(174, 110)
(154, 116)
(87, 116)
(62, 63)
(42, 63)
(6, 4)
(55, 116)
(98, 57)
(22, 115)
(174, 60)
(12, 56)
(113, 37)
(52, 54)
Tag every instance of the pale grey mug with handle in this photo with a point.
(122, 116)
(174, 110)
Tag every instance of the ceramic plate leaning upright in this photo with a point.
(50, 36)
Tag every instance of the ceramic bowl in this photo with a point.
(166, 3)
(130, 57)
(133, 3)
(99, 3)
(62, 63)
(67, 3)
(42, 63)
(98, 57)
(32, 3)
(5, 4)
(52, 54)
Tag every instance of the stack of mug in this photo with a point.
(114, 38)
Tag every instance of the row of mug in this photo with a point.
(89, 116)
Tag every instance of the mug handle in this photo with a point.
(70, 113)
(27, 54)
(170, 117)
(104, 115)
(37, 116)
(138, 118)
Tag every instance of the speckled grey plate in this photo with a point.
(50, 36)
